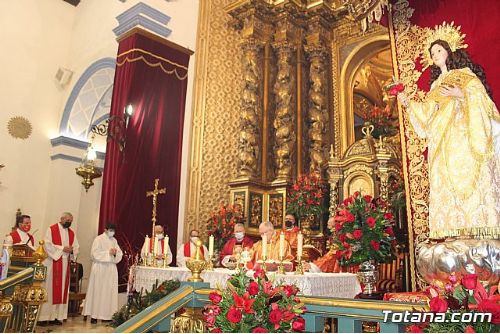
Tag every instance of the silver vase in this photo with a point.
(368, 276)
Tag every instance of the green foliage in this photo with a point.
(139, 301)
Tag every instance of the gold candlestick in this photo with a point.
(154, 261)
(210, 263)
(299, 270)
(165, 258)
(281, 267)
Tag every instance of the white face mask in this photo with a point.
(239, 235)
(110, 233)
(160, 236)
(194, 239)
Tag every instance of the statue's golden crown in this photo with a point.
(446, 32)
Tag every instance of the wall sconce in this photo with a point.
(87, 170)
(115, 127)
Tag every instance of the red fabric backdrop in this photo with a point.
(480, 22)
(153, 140)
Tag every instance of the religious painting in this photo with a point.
(276, 204)
(255, 210)
(239, 198)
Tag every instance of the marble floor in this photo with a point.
(76, 325)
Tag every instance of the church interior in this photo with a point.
(195, 165)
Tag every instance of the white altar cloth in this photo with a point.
(338, 285)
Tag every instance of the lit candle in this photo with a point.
(210, 246)
(264, 245)
(282, 245)
(300, 241)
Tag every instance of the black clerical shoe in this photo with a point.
(93, 321)
(56, 322)
(43, 323)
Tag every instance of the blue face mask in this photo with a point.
(239, 235)
(110, 233)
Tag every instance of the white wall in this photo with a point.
(35, 39)
(38, 37)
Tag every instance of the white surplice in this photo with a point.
(146, 246)
(101, 300)
(48, 310)
(24, 239)
(181, 258)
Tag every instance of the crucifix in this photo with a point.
(155, 194)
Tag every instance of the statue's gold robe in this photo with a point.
(273, 249)
(463, 139)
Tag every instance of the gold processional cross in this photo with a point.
(155, 194)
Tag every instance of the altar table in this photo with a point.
(337, 285)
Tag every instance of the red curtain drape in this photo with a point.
(480, 23)
(152, 76)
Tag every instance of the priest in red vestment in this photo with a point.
(235, 245)
(61, 246)
(187, 250)
(21, 235)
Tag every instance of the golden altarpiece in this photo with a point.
(298, 65)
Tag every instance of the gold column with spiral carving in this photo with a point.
(285, 96)
(318, 117)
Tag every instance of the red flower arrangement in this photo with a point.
(221, 224)
(469, 295)
(363, 231)
(384, 122)
(254, 305)
(305, 197)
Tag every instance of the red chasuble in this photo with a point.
(16, 238)
(187, 250)
(57, 268)
(162, 242)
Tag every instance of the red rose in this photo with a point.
(299, 324)
(356, 194)
(396, 89)
(469, 281)
(414, 329)
(215, 297)
(253, 288)
(357, 234)
(388, 216)
(338, 227)
(368, 198)
(342, 237)
(259, 273)
(290, 290)
(216, 330)
(389, 231)
(469, 329)
(370, 221)
(375, 244)
(275, 316)
(438, 305)
(490, 306)
(234, 315)
(260, 330)
(348, 201)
